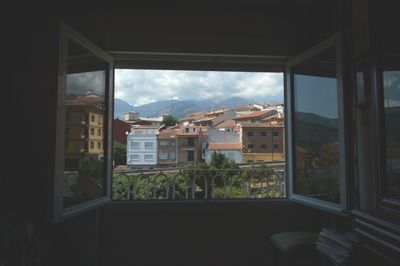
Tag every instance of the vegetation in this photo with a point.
(221, 178)
(169, 120)
(119, 152)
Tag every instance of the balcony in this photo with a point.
(200, 184)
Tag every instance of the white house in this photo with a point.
(225, 142)
(142, 146)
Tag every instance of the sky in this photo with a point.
(138, 87)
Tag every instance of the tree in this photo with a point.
(169, 120)
(119, 151)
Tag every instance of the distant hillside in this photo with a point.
(313, 131)
(176, 108)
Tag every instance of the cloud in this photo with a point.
(88, 81)
(139, 87)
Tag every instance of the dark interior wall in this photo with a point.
(194, 233)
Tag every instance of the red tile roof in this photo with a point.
(225, 146)
(252, 125)
(254, 114)
(227, 124)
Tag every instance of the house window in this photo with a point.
(275, 134)
(149, 145)
(163, 143)
(276, 147)
(187, 130)
(135, 145)
(92, 131)
(190, 156)
(190, 141)
(99, 132)
(172, 156)
(149, 157)
(263, 133)
(163, 156)
(250, 146)
(249, 133)
(172, 143)
(91, 118)
(98, 145)
(263, 146)
(91, 145)
(134, 157)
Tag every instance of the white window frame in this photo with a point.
(149, 160)
(134, 159)
(149, 142)
(132, 145)
(342, 207)
(60, 213)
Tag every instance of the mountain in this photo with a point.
(176, 108)
(121, 107)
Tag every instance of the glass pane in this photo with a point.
(391, 90)
(84, 167)
(316, 127)
(390, 43)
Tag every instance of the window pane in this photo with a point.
(84, 166)
(391, 86)
(316, 127)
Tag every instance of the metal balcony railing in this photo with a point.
(199, 184)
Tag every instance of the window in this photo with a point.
(276, 147)
(163, 142)
(172, 156)
(84, 85)
(316, 130)
(134, 157)
(190, 156)
(163, 156)
(172, 143)
(190, 141)
(187, 130)
(135, 145)
(149, 157)
(98, 145)
(263, 133)
(250, 146)
(99, 132)
(250, 134)
(231, 156)
(149, 145)
(263, 146)
(275, 134)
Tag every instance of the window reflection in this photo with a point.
(391, 89)
(84, 177)
(316, 127)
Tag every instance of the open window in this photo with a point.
(316, 152)
(84, 106)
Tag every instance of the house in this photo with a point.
(189, 140)
(262, 142)
(236, 35)
(224, 142)
(167, 147)
(120, 129)
(256, 116)
(228, 125)
(142, 148)
(190, 118)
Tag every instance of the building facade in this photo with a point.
(167, 147)
(142, 147)
(262, 142)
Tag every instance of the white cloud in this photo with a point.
(139, 87)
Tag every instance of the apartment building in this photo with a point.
(167, 147)
(262, 142)
(142, 147)
(224, 142)
(84, 136)
(189, 140)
